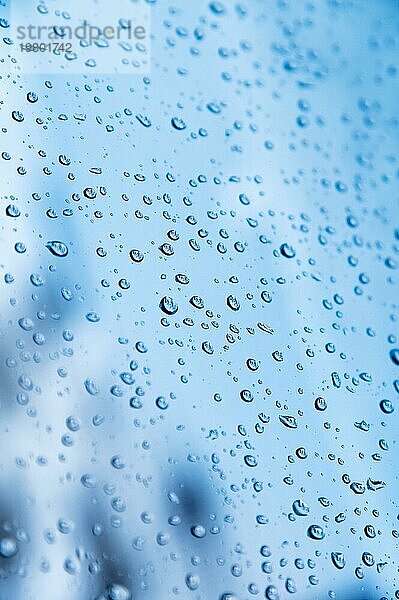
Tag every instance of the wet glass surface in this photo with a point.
(199, 249)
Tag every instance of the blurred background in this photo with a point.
(199, 245)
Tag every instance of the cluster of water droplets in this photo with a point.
(200, 355)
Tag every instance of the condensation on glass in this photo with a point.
(199, 249)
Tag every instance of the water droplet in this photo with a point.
(57, 248)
